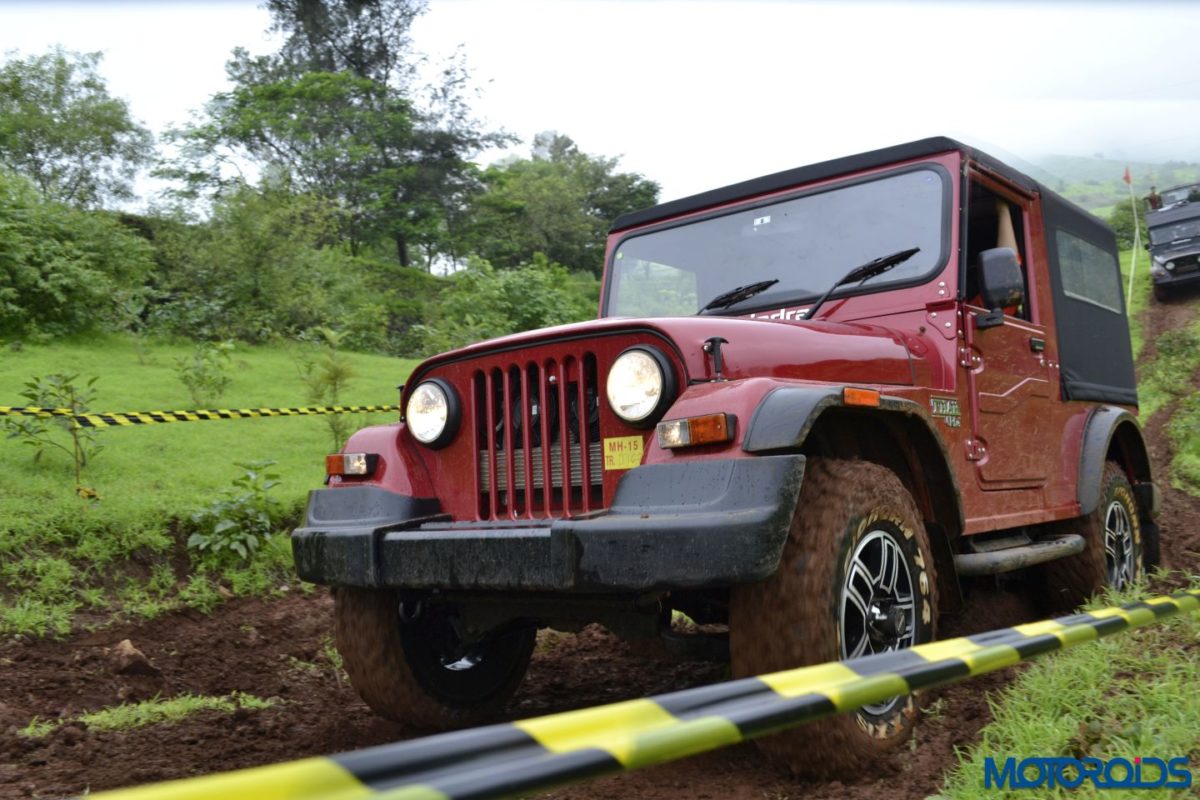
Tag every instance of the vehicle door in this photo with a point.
(1004, 352)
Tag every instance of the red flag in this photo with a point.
(1128, 178)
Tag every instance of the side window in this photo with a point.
(650, 289)
(1089, 273)
(993, 221)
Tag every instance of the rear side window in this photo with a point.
(1089, 273)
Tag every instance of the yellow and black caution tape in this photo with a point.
(117, 418)
(537, 754)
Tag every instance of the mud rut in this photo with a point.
(276, 649)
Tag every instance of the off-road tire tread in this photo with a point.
(1069, 582)
(367, 632)
(764, 637)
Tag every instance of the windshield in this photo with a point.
(1178, 195)
(1164, 234)
(806, 242)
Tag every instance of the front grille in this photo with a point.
(595, 467)
(1185, 264)
(533, 423)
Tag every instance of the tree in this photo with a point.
(336, 109)
(1121, 220)
(482, 303)
(60, 128)
(255, 270)
(367, 38)
(560, 202)
(64, 270)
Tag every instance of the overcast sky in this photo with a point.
(702, 93)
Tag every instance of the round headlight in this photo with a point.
(639, 385)
(432, 413)
(1170, 265)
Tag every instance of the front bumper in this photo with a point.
(671, 526)
(1171, 280)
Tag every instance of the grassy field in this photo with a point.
(1129, 695)
(1140, 295)
(57, 550)
(1168, 379)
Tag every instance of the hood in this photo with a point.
(818, 351)
(1185, 247)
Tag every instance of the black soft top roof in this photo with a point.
(1172, 214)
(816, 172)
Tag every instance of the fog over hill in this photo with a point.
(1096, 181)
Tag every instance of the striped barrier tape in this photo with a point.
(118, 418)
(537, 754)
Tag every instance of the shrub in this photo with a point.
(204, 372)
(481, 302)
(61, 392)
(238, 523)
(325, 372)
(63, 270)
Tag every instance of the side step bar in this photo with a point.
(1012, 558)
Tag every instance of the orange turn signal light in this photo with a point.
(692, 431)
(358, 464)
(852, 396)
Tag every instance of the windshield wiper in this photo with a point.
(863, 273)
(735, 296)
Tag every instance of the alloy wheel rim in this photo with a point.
(877, 612)
(1119, 555)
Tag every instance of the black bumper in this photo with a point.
(1172, 280)
(671, 526)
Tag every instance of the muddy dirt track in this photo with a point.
(277, 650)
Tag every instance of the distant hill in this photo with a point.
(1096, 183)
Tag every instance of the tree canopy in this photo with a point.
(336, 110)
(64, 270)
(560, 202)
(60, 128)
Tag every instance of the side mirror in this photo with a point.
(1001, 284)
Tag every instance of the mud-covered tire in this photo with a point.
(1113, 555)
(398, 671)
(795, 617)
(1160, 294)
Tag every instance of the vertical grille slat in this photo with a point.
(509, 472)
(530, 372)
(491, 443)
(564, 437)
(538, 439)
(583, 416)
(477, 437)
(544, 419)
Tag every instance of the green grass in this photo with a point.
(60, 554)
(1133, 694)
(1167, 379)
(129, 716)
(1141, 294)
(1184, 430)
